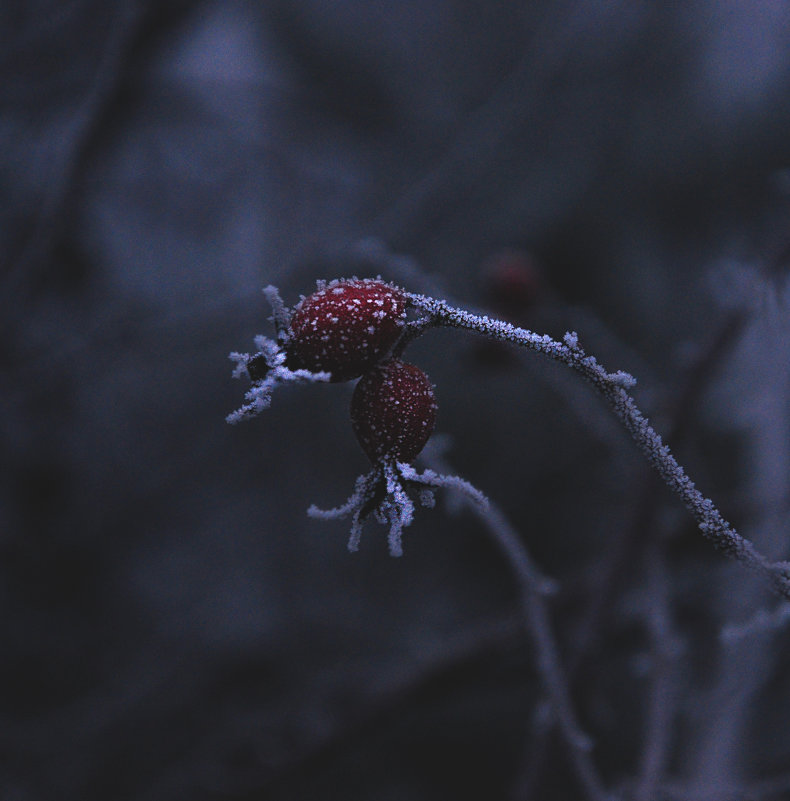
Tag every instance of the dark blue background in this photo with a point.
(172, 624)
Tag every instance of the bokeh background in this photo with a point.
(172, 624)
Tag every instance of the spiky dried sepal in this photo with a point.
(384, 492)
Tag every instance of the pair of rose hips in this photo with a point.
(357, 328)
(348, 328)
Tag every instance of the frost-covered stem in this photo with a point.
(613, 387)
(411, 331)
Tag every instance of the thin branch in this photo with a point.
(612, 571)
(412, 330)
(533, 587)
(662, 699)
(613, 386)
(761, 623)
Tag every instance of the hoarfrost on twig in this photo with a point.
(613, 387)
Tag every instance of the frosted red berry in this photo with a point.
(346, 327)
(393, 411)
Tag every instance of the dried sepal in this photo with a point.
(266, 369)
(385, 492)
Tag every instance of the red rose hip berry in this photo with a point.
(346, 327)
(393, 411)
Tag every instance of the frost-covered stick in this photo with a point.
(620, 553)
(613, 386)
(533, 588)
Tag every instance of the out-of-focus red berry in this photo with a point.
(393, 411)
(346, 327)
(513, 280)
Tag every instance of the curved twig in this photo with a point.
(614, 386)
